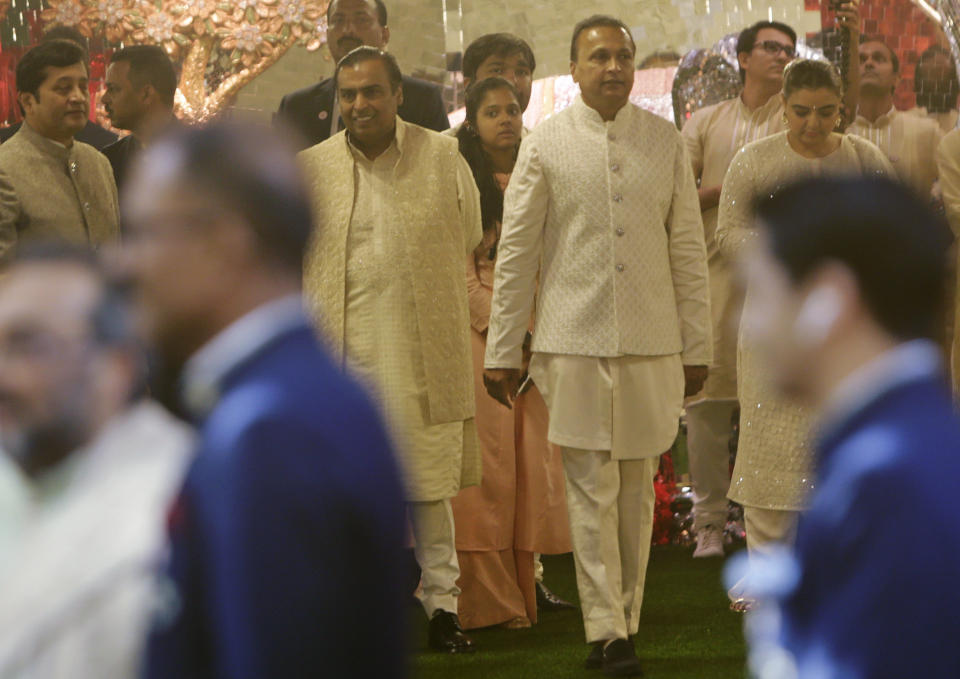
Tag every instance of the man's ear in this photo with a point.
(399, 95)
(386, 36)
(147, 94)
(26, 100)
(742, 58)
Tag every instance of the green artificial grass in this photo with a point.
(686, 631)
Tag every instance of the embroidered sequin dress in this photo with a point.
(774, 464)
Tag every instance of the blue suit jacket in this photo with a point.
(879, 549)
(286, 535)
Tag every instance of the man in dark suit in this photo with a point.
(289, 519)
(313, 113)
(141, 83)
(851, 275)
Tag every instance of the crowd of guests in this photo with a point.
(381, 334)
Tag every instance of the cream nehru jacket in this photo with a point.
(609, 215)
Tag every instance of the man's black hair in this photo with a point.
(892, 243)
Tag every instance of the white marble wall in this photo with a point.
(418, 38)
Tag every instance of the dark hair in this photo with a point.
(811, 74)
(381, 11)
(491, 197)
(593, 22)
(748, 38)
(252, 172)
(150, 65)
(891, 242)
(366, 53)
(894, 59)
(32, 68)
(933, 51)
(62, 32)
(499, 44)
(943, 96)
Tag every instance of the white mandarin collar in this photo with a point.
(592, 116)
(234, 344)
(400, 135)
(772, 104)
(882, 121)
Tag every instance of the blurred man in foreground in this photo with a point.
(292, 509)
(852, 280)
(98, 470)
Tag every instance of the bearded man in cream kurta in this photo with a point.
(397, 210)
(603, 199)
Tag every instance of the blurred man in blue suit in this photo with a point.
(286, 526)
(851, 277)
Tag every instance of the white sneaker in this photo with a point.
(709, 542)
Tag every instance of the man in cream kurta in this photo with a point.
(909, 142)
(51, 186)
(603, 199)
(713, 136)
(385, 273)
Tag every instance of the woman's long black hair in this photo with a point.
(491, 197)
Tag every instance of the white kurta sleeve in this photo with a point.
(735, 212)
(688, 264)
(469, 197)
(948, 163)
(518, 258)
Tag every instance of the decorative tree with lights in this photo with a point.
(221, 46)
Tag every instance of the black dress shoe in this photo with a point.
(595, 659)
(620, 660)
(548, 601)
(447, 636)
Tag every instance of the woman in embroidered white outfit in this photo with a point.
(772, 476)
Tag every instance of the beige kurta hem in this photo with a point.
(629, 405)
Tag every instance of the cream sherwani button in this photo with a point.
(617, 198)
(614, 168)
(620, 231)
(620, 267)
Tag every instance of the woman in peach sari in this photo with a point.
(519, 510)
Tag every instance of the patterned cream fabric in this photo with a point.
(385, 278)
(774, 463)
(909, 142)
(609, 212)
(714, 135)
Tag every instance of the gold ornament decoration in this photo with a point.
(222, 44)
(115, 18)
(67, 13)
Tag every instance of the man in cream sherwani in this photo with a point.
(603, 199)
(397, 210)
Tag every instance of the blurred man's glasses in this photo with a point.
(773, 48)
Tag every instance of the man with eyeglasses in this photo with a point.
(908, 141)
(713, 136)
(314, 112)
